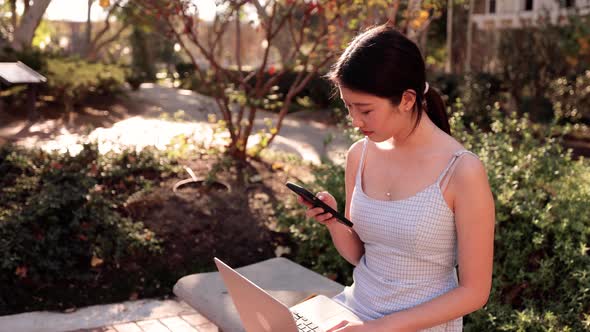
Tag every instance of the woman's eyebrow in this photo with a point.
(357, 104)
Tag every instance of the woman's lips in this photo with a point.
(366, 132)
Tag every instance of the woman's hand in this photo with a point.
(318, 213)
(346, 326)
(368, 326)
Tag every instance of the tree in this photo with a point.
(239, 94)
(24, 31)
(309, 33)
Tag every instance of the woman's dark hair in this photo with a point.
(383, 62)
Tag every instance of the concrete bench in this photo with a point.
(285, 280)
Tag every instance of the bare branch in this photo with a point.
(260, 9)
(392, 15)
(238, 42)
(283, 21)
(96, 47)
(268, 28)
(107, 22)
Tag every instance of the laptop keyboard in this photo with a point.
(304, 324)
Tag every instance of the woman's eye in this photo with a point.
(366, 112)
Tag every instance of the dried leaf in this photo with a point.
(278, 166)
(96, 261)
(21, 271)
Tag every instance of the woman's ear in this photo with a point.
(408, 101)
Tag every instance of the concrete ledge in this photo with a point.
(285, 280)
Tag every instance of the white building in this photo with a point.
(505, 14)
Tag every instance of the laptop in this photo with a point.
(260, 312)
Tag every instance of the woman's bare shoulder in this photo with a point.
(355, 151)
(470, 169)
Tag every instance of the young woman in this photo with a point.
(423, 212)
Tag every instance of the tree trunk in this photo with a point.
(449, 62)
(413, 8)
(284, 45)
(88, 27)
(13, 16)
(423, 40)
(469, 37)
(24, 33)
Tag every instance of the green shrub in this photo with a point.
(448, 84)
(317, 93)
(541, 278)
(473, 91)
(70, 81)
(541, 261)
(571, 96)
(61, 218)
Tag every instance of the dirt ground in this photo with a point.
(233, 218)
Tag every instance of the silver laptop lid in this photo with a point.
(258, 310)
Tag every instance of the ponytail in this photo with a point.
(436, 110)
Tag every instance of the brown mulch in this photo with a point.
(199, 222)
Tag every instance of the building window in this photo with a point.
(528, 5)
(492, 6)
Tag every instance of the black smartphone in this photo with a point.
(316, 202)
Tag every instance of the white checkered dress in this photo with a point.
(410, 251)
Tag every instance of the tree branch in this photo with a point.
(93, 53)
(107, 24)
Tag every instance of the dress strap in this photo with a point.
(443, 179)
(361, 163)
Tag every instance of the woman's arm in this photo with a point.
(474, 218)
(345, 239)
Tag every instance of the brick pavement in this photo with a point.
(181, 323)
(147, 315)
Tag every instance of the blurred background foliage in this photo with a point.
(520, 103)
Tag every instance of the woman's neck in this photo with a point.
(422, 136)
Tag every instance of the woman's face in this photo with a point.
(376, 117)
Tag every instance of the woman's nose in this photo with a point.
(356, 122)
